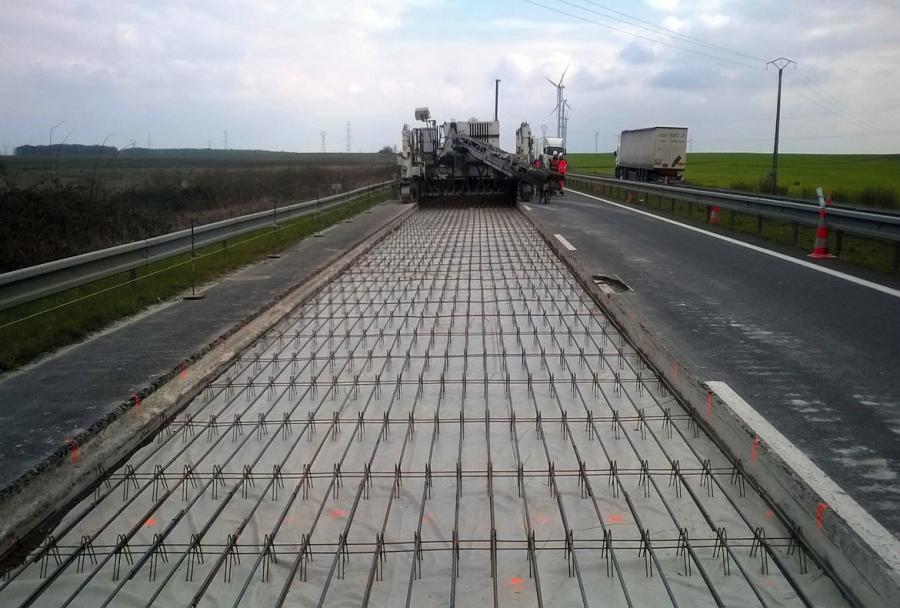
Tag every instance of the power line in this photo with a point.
(636, 35)
(835, 106)
(653, 27)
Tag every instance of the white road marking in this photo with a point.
(527, 208)
(565, 243)
(835, 273)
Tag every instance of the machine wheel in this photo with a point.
(526, 192)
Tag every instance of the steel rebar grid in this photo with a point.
(450, 421)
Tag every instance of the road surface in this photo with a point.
(816, 354)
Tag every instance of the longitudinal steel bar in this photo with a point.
(505, 444)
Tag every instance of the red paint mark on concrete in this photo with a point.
(136, 401)
(615, 518)
(754, 449)
(708, 403)
(541, 519)
(151, 521)
(770, 514)
(73, 449)
(183, 371)
(516, 580)
(338, 513)
(820, 511)
(675, 368)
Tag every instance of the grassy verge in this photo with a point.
(868, 252)
(30, 330)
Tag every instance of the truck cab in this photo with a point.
(547, 146)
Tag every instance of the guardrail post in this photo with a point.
(193, 295)
(274, 255)
(316, 219)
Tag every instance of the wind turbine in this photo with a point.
(565, 130)
(560, 108)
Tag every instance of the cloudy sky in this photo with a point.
(276, 73)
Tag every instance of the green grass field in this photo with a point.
(859, 179)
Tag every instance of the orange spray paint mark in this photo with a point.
(516, 580)
(73, 449)
(150, 522)
(754, 449)
(820, 511)
(338, 513)
(708, 403)
(615, 518)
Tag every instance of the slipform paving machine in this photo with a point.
(460, 159)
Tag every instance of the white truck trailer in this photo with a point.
(654, 154)
(547, 146)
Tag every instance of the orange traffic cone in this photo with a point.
(820, 251)
(714, 215)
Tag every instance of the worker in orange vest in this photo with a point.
(561, 167)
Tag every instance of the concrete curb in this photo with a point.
(862, 555)
(60, 484)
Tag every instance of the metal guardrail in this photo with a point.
(852, 221)
(27, 284)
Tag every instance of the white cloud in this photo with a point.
(664, 5)
(674, 23)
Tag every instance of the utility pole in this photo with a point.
(596, 140)
(323, 133)
(496, 97)
(780, 64)
(226, 139)
(349, 149)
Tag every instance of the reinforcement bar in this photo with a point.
(452, 420)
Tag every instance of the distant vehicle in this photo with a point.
(547, 146)
(655, 154)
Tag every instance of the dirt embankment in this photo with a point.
(45, 216)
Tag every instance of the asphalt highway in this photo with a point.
(817, 354)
